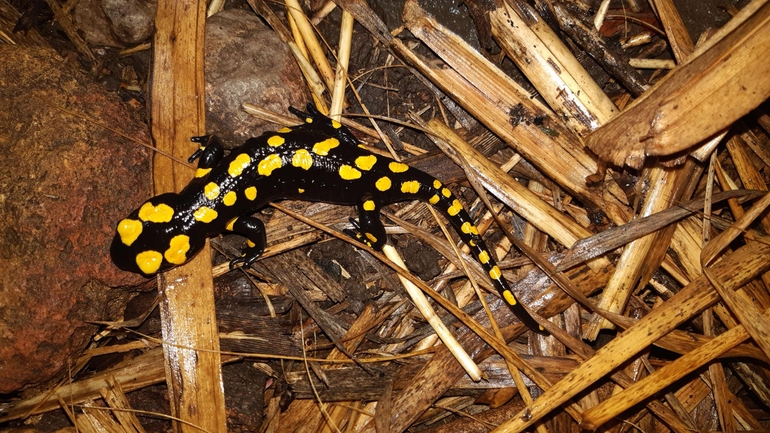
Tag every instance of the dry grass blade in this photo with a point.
(718, 85)
(610, 239)
(144, 370)
(117, 400)
(422, 304)
(589, 40)
(733, 271)
(651, 385)
(305, 30)
(747, 313)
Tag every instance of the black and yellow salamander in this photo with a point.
(319, 160)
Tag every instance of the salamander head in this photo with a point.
(151, 240)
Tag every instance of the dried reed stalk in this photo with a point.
(719, 83)
(551, 68)
(193, 371)
(732, 272)
(505, 108)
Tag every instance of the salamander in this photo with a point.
(318, 160)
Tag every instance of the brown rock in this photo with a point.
(66, 182)
(247, 62)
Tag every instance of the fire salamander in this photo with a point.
(319, 160)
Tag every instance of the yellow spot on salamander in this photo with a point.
(129, 230)
(436, 183)
(509, 298)
(251, 193)
(349, 173)
(398, 167)
(229, 198)
(301, 190)
(229, 226)
(239, 164)
(484, 257)
(469, 228)
(410, 187)
(275, 141)
(149, 261)
(284, 130)
(371, 237)
(433, 200)
(383, 183)
(205, 214)
(270, 163)
(455, 208)
(323, 147)
(211, 191)
(366, 162)
(369, 206)
(302, 158)
(495, 273)
(250, 244)
(308, 120)
(335, 124)
(161, 213)
(202, 172)
(177, 249)
(446, 192)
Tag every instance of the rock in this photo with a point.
(115, 23)
(247, 62)
(93, 24)
(131, 21)
(66, 182)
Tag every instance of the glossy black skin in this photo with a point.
(320, 182)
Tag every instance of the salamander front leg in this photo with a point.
(210, 151)
(369, 229)
(254, 230)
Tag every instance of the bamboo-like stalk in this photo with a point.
(343, 59)
(678, 38)
(652, 63)
(135, 373)
(588, 39)
(595, 417)
(744, 309)
(315, 50)
(666, 188)
(551, 68)
(193, 370)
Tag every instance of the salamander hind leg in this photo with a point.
(368, 229)
(254, 230)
